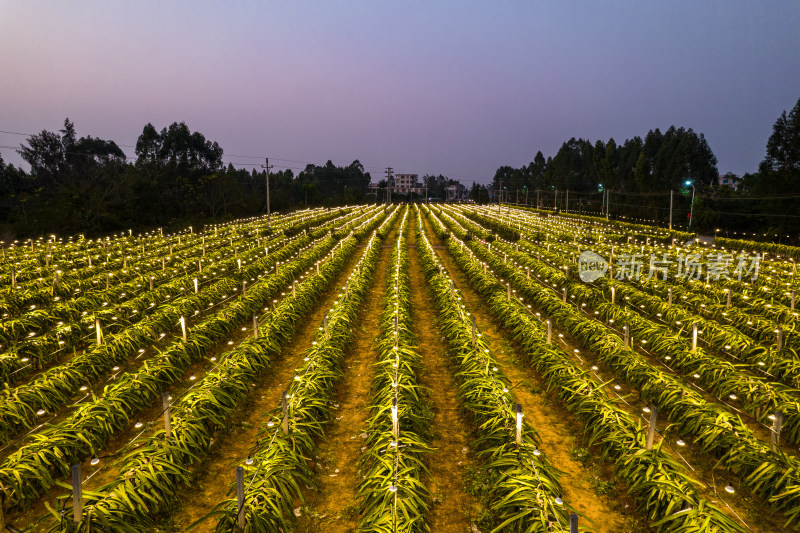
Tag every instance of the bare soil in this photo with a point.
(214, 482)
(455, 508)
(588, 485)
(334, 506)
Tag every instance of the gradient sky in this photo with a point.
(457, 88)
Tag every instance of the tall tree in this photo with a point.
(780, 169)
(536, 170)
(178, 148)
(46, 154)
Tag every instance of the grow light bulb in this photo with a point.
(82, 389)
(680, 442)
(94, 461)
(617, 387)
(732, 396)
(559, 501)
(213, 359)
(249, 460)
(393, 488)
(729, 488)
(394, 415)
(40, 412)
(646, 409)
(138, 424)
(192, 378)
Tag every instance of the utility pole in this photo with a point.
(603, 203)
(500, 195)
(670, 209)
(267, 167)
(389, 171)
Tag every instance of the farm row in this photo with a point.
(401, 368)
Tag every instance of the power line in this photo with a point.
(288, 160)
(449, 176)
(16, 133)
(746, 197)
(71, 152)
(258, 157)
(754, 214)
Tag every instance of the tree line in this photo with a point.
(88, 185)
(634, 180)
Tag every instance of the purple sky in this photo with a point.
(456, 88)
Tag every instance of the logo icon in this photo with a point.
(591, 266)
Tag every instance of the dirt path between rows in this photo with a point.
(121, 443)
(742, 506)
(587, 487)
(334, 507)
(455, 507)
(213, 483)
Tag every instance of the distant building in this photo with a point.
(406, 184)
(375, 192)
(456, 193)
(729, 179)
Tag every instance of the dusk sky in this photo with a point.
(453, 88)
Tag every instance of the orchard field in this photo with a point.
(407, 368)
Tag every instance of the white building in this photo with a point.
(406, 183)
(730, 180)
(455, 193)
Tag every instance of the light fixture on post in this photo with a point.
(691, 209)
